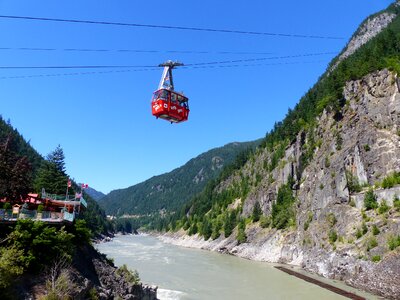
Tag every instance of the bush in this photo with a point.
(383, 207)
(352, 183)
(391, 180)
(12, 264)
(283, 214)
(265, 221)
(376, 258)
(332, 236)
(372, 243)
(370, 200)
(393, 242)
(308, 221)
(241, 237)
(331, 219)
(257, 212)
(375, 230)
(129, 275)
(396, 203)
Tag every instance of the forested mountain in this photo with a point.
(96, 195)
(168, 192)
(322, 190)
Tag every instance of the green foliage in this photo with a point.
(39, 242)
(331, 219)
(206, 228)
(393, 242)
(40, 208)
(265, 221)
(364, 228)
(283, 213)
(257, 212)
(375, 230)
(129, 275)
(376, 258)
(12, 264)
(371, 243)
(230, 223)
(370, 200)
(359, 233)
(15, 171)
(82, 233)
(396, 203)
(174, 190)
(241, 236)
(352, 183)
(383, 207)
(391, 180)
(332, 235)
(367, 148)
(308, 221)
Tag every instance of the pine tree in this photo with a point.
(51, 175)
(257, 212)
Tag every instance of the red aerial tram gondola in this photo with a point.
(166, 103)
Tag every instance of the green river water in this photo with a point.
(183, 273)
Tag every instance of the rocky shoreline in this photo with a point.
(379, 279)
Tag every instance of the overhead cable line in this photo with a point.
(156, 69)
(154, 66)
(132, 50)
(171, 27)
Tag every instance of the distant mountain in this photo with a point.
(96, 195)
(170, 191)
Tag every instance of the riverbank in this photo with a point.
(382, 279)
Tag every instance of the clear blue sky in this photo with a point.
(103, 121)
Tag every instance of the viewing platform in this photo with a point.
(47, 208)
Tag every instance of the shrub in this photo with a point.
(308, 221)
(376, 258)
(370, 200)
(12, 264)
(367, 148)
(364, 228)
(283, 213)
(129, 275)
(375, 230)
(40, 208)
(391, 180)
(359, 233)
(396, 202)
(352, 183)
(241, 237)
(383, 207)
(331, 219)
(265, 221)
(393, 242)
(332, 236)
(372, 243)
(257, 212)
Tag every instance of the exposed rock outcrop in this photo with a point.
(366, 32)
(364, 145)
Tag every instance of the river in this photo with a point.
(183, 273)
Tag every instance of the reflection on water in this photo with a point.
(182, 273)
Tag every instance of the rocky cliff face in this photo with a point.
(371, 27)
(333, 236)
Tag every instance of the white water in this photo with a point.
(182, 273)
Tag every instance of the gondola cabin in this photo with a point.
(166, 103)
(170, 105)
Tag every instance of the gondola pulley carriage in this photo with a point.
(168, 104)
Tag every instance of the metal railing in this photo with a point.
(45, 216)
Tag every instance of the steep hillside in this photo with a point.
(168, 192)
(323, 189)
(96, 195)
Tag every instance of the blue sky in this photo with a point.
(103, 121)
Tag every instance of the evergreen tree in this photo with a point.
(241, 237)
(51, 175)
(15, 171)
(257, 212)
